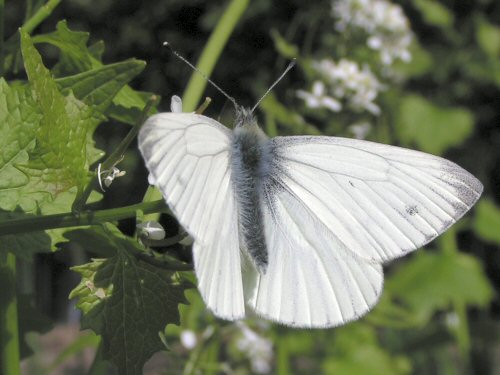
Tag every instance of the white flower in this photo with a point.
(385, 23)
(318, 98)
(360, 130)
(259, 350)
(108, 175)
(359, 87)
(151, 230)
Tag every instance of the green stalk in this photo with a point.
(115, 157)
(211, 53)
(41, 14)
(9, 332)
(2, 8)
(205, 64)
(37, 223)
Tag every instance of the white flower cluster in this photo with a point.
(385, 23)
(258, 349)
(343, 81)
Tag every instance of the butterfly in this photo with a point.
(297, 228)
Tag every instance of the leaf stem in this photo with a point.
(69, 219)
(42, 13)
(2, 14)
(115, 157)
(211, 53)
(9, 331)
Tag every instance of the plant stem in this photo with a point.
(206, 63)
(42, 13)
(2, 8)
(9, 331)
(37, 223)
(115, 157)
(211, 53)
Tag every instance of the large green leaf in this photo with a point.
(433, 281)
(58, 161)
(432, 128)
(126, 301)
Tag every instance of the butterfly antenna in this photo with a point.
(176, 54)
(290, 66)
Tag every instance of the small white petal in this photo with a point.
(176, 104)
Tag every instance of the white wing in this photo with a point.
(309, 282)
(335, 209)
(378, 201)
(187, 156)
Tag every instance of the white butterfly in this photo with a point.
(297, 228)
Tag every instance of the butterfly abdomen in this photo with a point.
(247, 154)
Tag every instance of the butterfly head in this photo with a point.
(245, 118)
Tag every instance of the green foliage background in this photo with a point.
(76, 81)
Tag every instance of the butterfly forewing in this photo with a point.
(380, 201)
(188, 158)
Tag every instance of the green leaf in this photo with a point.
(59, 159)
(433, 281)
(487, 220)
(432, 128)
(434, 13)
(22, 245)
(357, 351)
(75, 56)
(126, 301)
(488, 37)
(285, 48)
(98, 87)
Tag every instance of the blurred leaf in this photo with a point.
(432, 128)
(82, 342)
(22, 245)
(487, 220)
(421, 62)
(290, 119)
(434, 13)
(488, 37)
(357, 351)
(126, 301)
(433, 281)
(31, 319)
(284, 48)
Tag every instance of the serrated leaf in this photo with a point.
(432, 128)
(126, 301)
(75, 56)
(487, 220)
(126, 103)
(59, 159)
(99, 86)
(431, 282)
